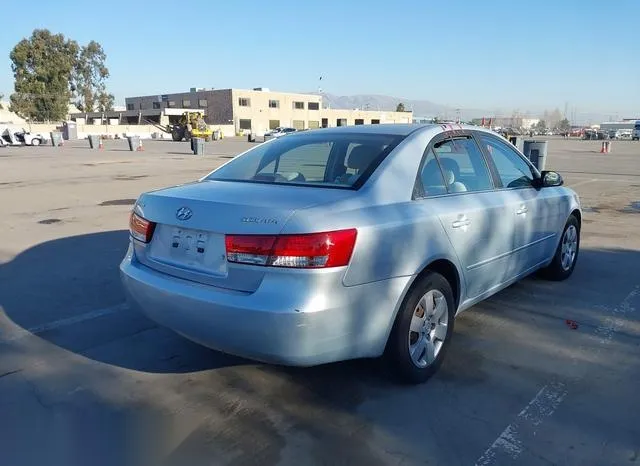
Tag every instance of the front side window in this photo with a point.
(463, 165)
(336, 160)
(513, 170)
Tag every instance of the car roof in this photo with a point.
(399, 129)
(396, 129)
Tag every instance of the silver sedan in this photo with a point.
(350, 242)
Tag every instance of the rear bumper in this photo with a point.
(301, 318)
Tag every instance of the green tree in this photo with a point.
(541, 126)
(42, 67)
(90, 74)
(564, 125)
(105, 102)
(400, 107)
(1, 97)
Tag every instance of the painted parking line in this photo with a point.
(57, 324)
(579, 183)
(509, 444)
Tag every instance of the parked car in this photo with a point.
(17, 138)
(280, 131)
(349, 242)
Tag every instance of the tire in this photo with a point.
(403, 340)
(566, 257)
(35, 142)
(177, 135)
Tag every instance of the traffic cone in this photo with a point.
(100, 145)
(603, 149)
(140, 148)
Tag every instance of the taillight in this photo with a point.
(141, 228)
(314, 250)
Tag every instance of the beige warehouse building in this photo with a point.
(255, 110)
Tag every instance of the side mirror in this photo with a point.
(549, 179)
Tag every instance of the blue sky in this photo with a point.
(467, 54)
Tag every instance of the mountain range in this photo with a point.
(420, 108)
(426, 108)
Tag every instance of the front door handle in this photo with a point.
(522, 210)
(462, 222)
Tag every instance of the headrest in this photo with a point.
(451, 165)
(449, 177)
(361, 157)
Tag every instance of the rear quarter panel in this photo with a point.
(394, 240)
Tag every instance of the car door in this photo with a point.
(455, 179)
(534, 210)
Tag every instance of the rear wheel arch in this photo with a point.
(576, 213)
(448, 270)
(444, 267)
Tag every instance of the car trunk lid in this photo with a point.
(192, 221)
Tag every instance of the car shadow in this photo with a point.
(68, 292)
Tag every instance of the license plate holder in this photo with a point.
(189, 246)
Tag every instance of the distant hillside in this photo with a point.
(422, 108)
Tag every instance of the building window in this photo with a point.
(186, 103)
(245, 124)
(313, 106)
(359, 121)
(244, 102)
(314, 124)
(129, 106)
(273, 124)
(325, 122)
(171, 104)
(298, 124)
(341, 122)
(156, 105)
(375, 122)
(140, 105)
(274, 104)
(202, 103)
(298, 105)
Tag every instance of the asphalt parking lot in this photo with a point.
(84, 380)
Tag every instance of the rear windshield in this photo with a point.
(341, 160)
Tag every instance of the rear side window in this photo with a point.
(431, 177)
(463, 165)
(342, 160)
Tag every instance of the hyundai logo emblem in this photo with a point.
(184, 213)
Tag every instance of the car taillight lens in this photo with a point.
(315, 250)
(141, 228)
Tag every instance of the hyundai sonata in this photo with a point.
(349, 242)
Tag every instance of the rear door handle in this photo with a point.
(522, 210)
(463, 222)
